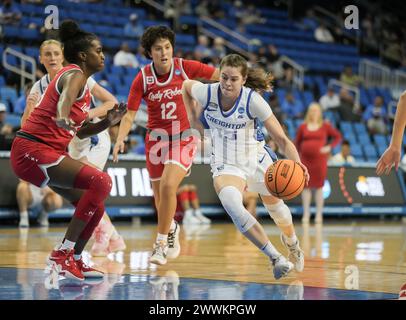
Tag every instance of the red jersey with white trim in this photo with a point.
(163, 93)
(40, 123)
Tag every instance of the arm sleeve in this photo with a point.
(200, 93)
(258, 107)
(136, 93)
(334, 134)
(35, 88)
(195, 69)
(90, 83)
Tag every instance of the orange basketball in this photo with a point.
(285, 179)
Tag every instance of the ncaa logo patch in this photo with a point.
(150, 80)
(212, 106)
(241, 110)
(177, 72)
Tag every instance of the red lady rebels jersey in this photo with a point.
(163, 94)
(40, 123)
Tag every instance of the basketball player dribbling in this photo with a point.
(94, 150)
(39, 156)
(159, 84)
(231, 109)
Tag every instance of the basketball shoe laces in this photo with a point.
(159, 248)
(171, 238)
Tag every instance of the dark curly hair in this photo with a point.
(154, 33)
(74, 40)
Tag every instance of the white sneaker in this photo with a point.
(189, 218)
(296, 254)
(43, 219)
(159, 253)
(281, 267)
(173, 242)
(24, 222)
(199, 215)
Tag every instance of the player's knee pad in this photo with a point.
(280, 213)
(231, 199)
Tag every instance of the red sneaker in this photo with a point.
(63, 262)
(87, 271)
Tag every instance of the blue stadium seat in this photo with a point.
(380, 140)
(118, 70)
(356, 150)
(360, 128)
(346, 126)
(2, 81)
(364, 139)
(370, 150)
(7, 93)
(13, 119)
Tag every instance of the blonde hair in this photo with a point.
(257, 78)
(307, 116)
(48, 42)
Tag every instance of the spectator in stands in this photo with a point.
(133, 28)
(344, 156)
(274, 59)
(309, 22)
(125, 57)
(21, 101)
(286, 81)
(202, 51)
(348, 77)
(219, 50)
(140, 56)
(209, 8)
(32, 197)
(347, 108)
(322, 34)
(6, 130)
(9, 13)
(376, 116)
(291, 107)
(275, 105)
(315, 139)
(330, 100)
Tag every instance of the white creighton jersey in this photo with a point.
(234, 132)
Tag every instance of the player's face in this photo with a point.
(95, 56)
(231, 81)
(162, 53)
(51, 57)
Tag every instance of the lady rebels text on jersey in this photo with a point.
(163, 94)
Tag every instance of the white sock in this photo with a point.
(77, 257)
(270, 250)
(23, 214)
(291, 240)
(173, 225)
(66, 244)
(161, 237)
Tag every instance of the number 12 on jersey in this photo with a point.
(167, 110)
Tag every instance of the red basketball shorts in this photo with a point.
(30, 160)
(161, 152)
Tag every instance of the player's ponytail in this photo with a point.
(74, 40)
(257, 78)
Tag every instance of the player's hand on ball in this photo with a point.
(306, 172)
(118, 147)
(114, 115)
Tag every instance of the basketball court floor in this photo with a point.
(345, 260)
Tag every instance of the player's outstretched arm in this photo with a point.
(391, 156)
(189, 101)
(125, 127)
(107, 101)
